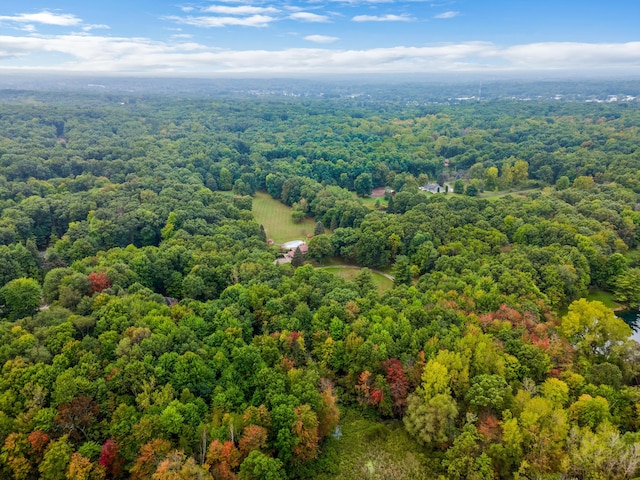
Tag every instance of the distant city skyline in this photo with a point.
(321, 37)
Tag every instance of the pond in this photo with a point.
(632, 317)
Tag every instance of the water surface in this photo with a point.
(632, 317)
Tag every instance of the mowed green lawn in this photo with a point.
(516, 193)
(371, 201)
(380, 281)
(276, 219)
(604, 297)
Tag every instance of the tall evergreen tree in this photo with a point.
(390, 206)
(298, 258)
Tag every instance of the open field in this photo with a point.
(604, 297)
(276, 218)
(518, 193)
(371, 201)
(370, 449)
(381, 282)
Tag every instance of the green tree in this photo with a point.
(520, 171)
(563, 183)
(274, 185)
(545, 174)
(320, 248)
(431, 410)
(364, 281)
(298, 258)
(363, 184)
(431, 421)
(297, 215)
(487, 392)
(626, 287)
(371, 249)
(584, 183)
(20, 298)
(555, 390)
(391, 205)
(471, 190)
(491, 179)
(465, 459)
(602, 453)
(401, 271)
(225, 181)
(593, 328)
(589, 411)
(258, 466)
(56, 459)
(476, 171)
(458, 187)
(506, 178)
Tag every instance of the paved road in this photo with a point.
(390, 277)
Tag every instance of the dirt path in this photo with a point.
(390, 277)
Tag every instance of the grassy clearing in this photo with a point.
(333, 261)
(604, 297)
(371, 201)
(372, 450)
(593, 295)
(381, 282)
(518, 193)
(276, 218)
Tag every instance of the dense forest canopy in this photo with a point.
(147, 332)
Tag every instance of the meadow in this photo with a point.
(381, 282)
(277, 221)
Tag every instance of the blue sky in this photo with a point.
(310, 37)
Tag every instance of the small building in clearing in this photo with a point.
(292, 245)
(432, 187)
(290, 248)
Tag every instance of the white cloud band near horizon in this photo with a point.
(382, 18)
(45, 17)
(239, 10)
(321, 38)
(309, 17)
(131, 55)
(217, 22)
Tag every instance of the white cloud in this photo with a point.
(321, 39)
(383, 18)
(88, 28)
(239, 10)
(449, 14)
(309, 17)
(365, 2)
(560, 55)
(45, 17)
(209, 22)
(95, 53)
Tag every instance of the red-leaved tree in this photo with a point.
(110, 457)
(99, 281)
(398, 384)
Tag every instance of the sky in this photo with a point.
(317, 37)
